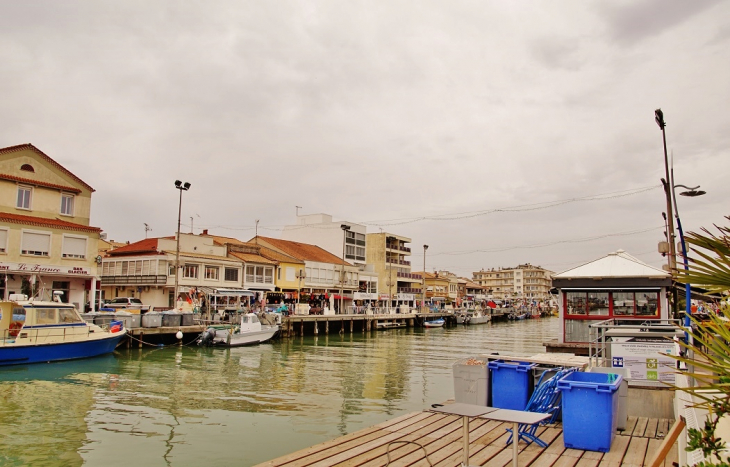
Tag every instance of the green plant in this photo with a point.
(710, 362)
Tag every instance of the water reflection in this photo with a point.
(192, 406)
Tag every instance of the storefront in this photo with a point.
(75, 283)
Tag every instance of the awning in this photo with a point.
(226, 292)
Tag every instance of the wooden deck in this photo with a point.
(440, 435)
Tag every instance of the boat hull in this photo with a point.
(42, 353)
(434, 324)
(247, 338)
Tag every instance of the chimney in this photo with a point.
(205, 231)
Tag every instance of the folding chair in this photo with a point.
(545, 399)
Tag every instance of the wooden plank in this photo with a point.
(636, 452)
(669, 441)
(663, 427)
(339, 458)
(587, 462)
(423, 437)
(409, 454)
(615, 456)
(651, 428)
(640, 427)
(526, 452)
(630, 425)
(349, 439)
(654, 445)
(495, 446)
(672, 456)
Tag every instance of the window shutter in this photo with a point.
(74, 247)
(3, 240)
(36, 243)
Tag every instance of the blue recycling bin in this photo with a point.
(511, 384)
(590, 410)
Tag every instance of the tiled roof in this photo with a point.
(226, 240)
(251, 258)
(39, 183)
(202, 256)
(276, 256)
(23, 147)
(303, 251)
(148, 245)
(267, 253)
(44, 222)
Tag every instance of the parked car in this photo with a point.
(126, 303)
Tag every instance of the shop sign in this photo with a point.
(384, 296)
(364, 296)
(642, 356)
(33, 268)
(405, 296)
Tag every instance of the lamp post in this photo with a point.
(423, 303)
(344, 228)
(691, 192)
(182, 187)
(659, 118)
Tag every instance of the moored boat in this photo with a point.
(435, 323)
(249, 331)
(473, 317)
(38, 331)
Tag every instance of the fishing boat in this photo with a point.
(473, 317)
(249, 331)
(41, 331)
(389, 325)
(435, 323)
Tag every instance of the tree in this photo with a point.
(709, 269)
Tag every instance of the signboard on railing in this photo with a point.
(405, 296)
(35, 268)
(643, 357)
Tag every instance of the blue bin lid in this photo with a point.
(601, 382)
(518, 366)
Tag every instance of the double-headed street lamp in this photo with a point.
(182, 187)
(659, 118)
(423, 303)
(344, 228)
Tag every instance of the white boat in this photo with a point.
(249, 331)
(473, 317)
(436, 323)
(37, 331)
(388, 325)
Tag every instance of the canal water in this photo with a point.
(191, 406)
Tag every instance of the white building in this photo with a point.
(320, 230)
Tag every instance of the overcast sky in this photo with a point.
(521, 131)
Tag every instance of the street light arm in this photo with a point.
(686, 187)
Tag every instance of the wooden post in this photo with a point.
(351, 326)
(327, 327)
(141, 335)
(316, 328)
(301, 331)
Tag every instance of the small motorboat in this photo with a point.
(249, 331)
(41, 331)
(473, 317)
(435, 323)
(389, 325)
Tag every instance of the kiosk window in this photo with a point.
(576, 303)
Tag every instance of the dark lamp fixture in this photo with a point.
(182, 186)
(659, 118)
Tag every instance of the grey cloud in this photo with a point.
(632, 22)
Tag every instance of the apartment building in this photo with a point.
(524, 281)
(339, 238)
(46, 242)
(389, 254)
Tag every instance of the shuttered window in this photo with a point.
(74, 247)
(36, 244)
(3, 241)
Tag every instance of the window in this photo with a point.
(24, 195)
(250, 270)
(27, 168)
(190, 271)
(598, 303)
(623, 303)
(211, 272)
(35, 244)
(259, 274)
(3, 241)
(45, 316)
(576, 303)
(268, 275)
(278, 273)
(67, 204)
(74, 247)
(67, 315)
(231, 274)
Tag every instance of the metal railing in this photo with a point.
(597, 340)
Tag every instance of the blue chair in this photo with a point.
(545, 399)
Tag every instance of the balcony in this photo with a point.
(409, 290)
(399, 261)
(407, 275)
(134, 280)
(393, 246)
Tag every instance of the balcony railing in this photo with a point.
(399, 261)
(408, 290)
(134, 280)
(393, 246)
(408, 275)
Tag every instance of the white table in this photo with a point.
(466, 411)
(515, 417)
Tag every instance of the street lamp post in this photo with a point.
(659, 118)
(182, 187)
(423, 303)
(344, 228)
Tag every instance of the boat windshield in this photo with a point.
(56, 316)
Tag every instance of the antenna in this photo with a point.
(191, 224)
(147, 228)
(257, 231)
